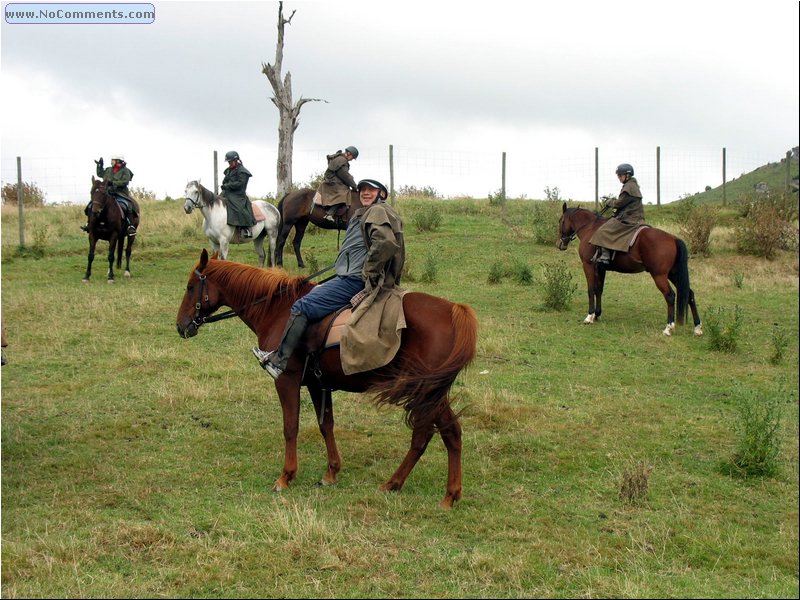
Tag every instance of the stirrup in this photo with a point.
(85, 228)
(246, 233)
(264, 360)
(131, 230)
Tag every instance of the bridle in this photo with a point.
(566, 239)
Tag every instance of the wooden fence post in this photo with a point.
(596, 178)
(216, 174)
(20, 203)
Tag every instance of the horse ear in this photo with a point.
(564, 207)
(203, 259)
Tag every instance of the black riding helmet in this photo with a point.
(352, 150)
(382, 191)
(232, 155)
(625, 168)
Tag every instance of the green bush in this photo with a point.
(780, 341)
(758, 434)
(545, 216)
(723, 329)
(430, 269)
(522, 273)
(558, 287)
(496, 272)
(32, 194)
(427, 218)
(767, 225)
(696, 225)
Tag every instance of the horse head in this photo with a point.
(193, 195)
(99, 195)
(200, 300)
(566, 229)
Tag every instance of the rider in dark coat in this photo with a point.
(616, 233)
(234, 186)
(117, 177)
(334, 191)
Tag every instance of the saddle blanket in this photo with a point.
(636, 235)
(258, 213)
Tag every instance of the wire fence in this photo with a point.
(665, 174)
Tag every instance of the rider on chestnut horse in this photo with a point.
(617, 232)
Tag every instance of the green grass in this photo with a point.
(139, 464)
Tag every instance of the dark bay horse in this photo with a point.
(297, 209)
(107, 222)
(659, 253)
(438, 343)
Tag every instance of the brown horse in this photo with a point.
(659, 253)
(297, 210)
(107, 222)
(437, 344)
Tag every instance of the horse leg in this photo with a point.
(259, 244)
(450, 430)
(599, 286)
(326, 422)
(420, 436)
(283, 235)
(289, 394)
(273, 240)
(92, 244)
(662, 283)
(591, 276)
(128, 250)
(112, 246)
(698, 326)
(299, 232)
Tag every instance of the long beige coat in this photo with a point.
(373, 334)
(337, 183)
(617, 232)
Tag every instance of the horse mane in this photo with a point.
(249, 283)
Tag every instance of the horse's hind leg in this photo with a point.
(450, 430)
(326, 422)
(698, 326)
(662, 283)
(259, 244)
(299, 232)
(420, 437)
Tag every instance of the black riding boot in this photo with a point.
(274, 363)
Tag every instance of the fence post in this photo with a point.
(503, 187)
(788, 170)
(658, 175)
(724, 178)
(216, 174)
(596, 178)
(391, 174)
(20, 203)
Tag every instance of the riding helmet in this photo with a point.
(118, 157)
(382, 191)
(625, 168)
(352, 150)
(232, 155)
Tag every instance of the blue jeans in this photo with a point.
(328, 297)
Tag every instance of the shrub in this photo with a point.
(32, 195)
(558, 287)
(696, 225)
(139, 194)
(767, 226)
(738, 279)
(496, 272)
(427, 218)
(498, 198)
(780, 341)
(545, 217)
(522, 273)
(429, 270)
(412, 191)
(758, 433)
(722, 329)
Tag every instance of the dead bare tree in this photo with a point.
(288, 114)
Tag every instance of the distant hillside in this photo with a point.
(773, 174)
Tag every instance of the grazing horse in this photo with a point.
(107, 222)
(437, 344)
(659, 253)
(297, 208)
(220, 234)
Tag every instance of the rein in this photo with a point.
(228, 314)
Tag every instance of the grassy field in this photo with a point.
(139, 464)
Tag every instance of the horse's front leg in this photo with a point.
(112, 246)
(128, 250)
(591, 277)
(420, 437)
(599, 286)
(326, 422)
(87, 276)
(289, 394)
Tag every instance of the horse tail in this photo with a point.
(280, 204)
(682, 265)
(421, 389)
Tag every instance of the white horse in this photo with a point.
(215, 222)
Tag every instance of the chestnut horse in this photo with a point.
(437, 344)
(659, 253)
(107, 222)
(297, 208)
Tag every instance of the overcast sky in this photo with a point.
(451, 85)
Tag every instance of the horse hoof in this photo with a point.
(110, 281)
(698, 331)
(127, 274)
(85, 280)
(589, 319)
(669, 329)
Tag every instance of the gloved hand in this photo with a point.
(359, 297)
(99, 163)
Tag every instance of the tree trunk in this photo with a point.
(288, 115)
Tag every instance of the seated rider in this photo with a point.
(234, 188)
(117, 177)
(371, 259)
(334, 191)
(615, 234)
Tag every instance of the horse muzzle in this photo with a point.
(188, 207)
(187, 330)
